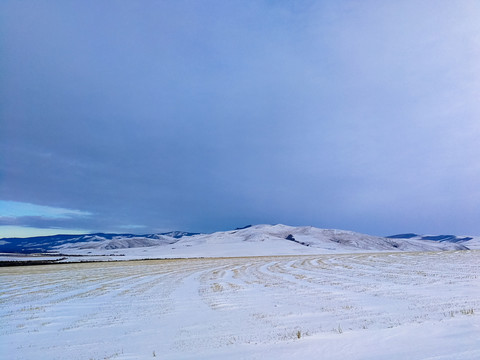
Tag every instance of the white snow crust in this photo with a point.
(403, 305)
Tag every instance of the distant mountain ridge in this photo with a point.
(470, 242)
(251, 239)
(449, 238)
(39, 244)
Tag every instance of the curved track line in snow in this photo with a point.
(245, 307)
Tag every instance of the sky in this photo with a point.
(151, 116)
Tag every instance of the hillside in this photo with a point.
(258, 240)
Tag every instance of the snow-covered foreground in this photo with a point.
(356, 306)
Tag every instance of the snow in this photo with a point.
(473, 243)
(258, 240)
(384, 305)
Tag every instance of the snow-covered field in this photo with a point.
(422, 305)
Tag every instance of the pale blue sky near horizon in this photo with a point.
(124, 116)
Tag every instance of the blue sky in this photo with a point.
(208, 115)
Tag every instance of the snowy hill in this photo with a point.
(258, 240)
(471, 242)
(40, 244)
(284, 240)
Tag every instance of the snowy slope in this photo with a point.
(471, 242)
(326, 239)
(120, 242)
(258, 240)
(88, 241)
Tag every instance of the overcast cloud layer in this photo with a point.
(208, 115)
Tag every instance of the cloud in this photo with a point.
(28, 231)
(15, 209)
(208, 116)
(25, 219)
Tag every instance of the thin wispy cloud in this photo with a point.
(15, 209)
(25, 219)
